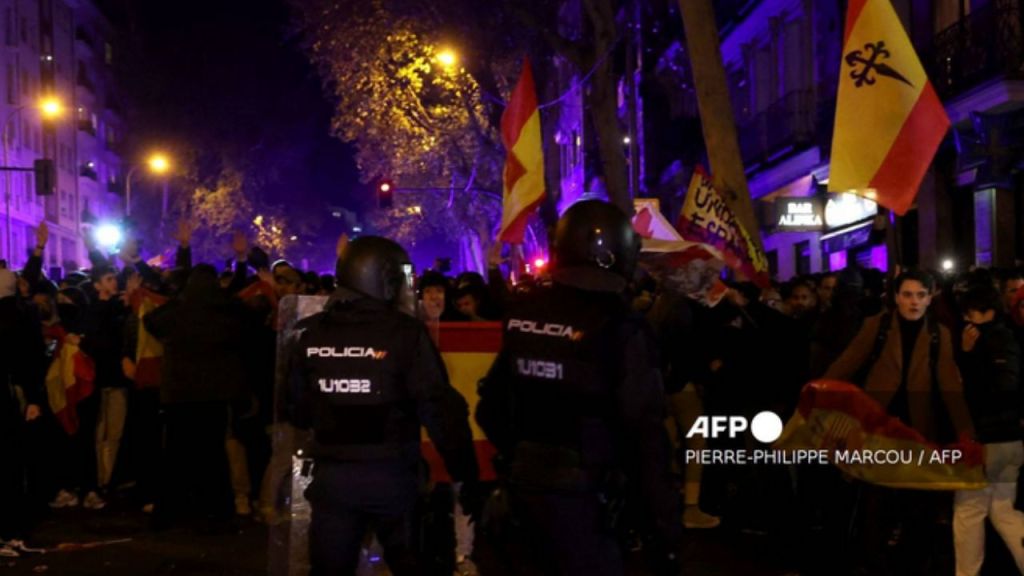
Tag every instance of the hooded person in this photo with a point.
(202, 373)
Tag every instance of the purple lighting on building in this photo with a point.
(837, 260)
(880, 258)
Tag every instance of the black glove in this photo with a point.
(472, 497)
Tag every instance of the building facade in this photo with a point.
(782, 58)
(63, 49)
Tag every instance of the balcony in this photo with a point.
(787, 124)
(987, 44)
(115, 187)
(88, 171)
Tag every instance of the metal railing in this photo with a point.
(788, 122)
(986, 44)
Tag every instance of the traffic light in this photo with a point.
(385, 194)
(46, 177)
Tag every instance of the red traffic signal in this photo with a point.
(385, 194)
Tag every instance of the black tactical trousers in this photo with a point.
(13, 509)
(351, 498)
(568, 528)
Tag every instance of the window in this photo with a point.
(9, 26)
(29, 191)
(794, 63)
(739, 87)
(764, 78)
(10, 85)
(24, 29)
(108, 53)
(773, 263)
(25, 84)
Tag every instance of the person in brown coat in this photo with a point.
(900, 374)
(909, 368)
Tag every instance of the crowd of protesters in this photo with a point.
(939, 351)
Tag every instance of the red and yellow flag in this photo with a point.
(864, 441)
(524, 160)
(149, 352)
(889, 121)
(69, 380)
(468, 350)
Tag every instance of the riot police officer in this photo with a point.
(365, 376)
(574, 402)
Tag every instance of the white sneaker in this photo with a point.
(93, 501)
(64, 499)
(8, 552)
(20, 547)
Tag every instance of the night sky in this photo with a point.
(228, 78)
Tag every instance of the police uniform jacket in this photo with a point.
(364, 377)
(577, 383)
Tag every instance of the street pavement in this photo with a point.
(117, 541)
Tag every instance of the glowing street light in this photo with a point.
(947, 265)
(447, 58)
(157, 163)
(108, 235)
(50, 108)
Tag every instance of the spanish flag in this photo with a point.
(864, 441)
(468, 349)
(69, 380)
(889, 121)
(149, 352)
(524, 160)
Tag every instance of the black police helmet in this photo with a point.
(375, 267)
(596, 234)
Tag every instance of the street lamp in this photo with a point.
(157, 163)
(50, 108)
(447, 58)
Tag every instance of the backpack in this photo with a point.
(943, 423)
(882, 337)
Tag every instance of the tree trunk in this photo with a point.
(716, 114)
(603, 105)
(604, 116)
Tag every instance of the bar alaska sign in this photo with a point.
(799, 214)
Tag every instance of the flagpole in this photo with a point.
(716, 114)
